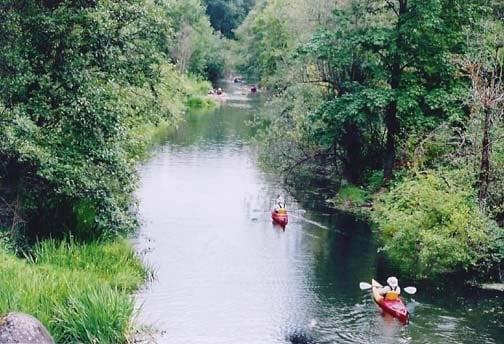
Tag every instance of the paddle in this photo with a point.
(366, 286)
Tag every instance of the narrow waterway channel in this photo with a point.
(225, 274)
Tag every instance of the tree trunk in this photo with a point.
(392, 124)
(353, 146)
(391, 119)
(484, 177)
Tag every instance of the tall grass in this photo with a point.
(99, 315)
(81, 292)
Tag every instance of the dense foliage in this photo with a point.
(85, 86)
(227, 15)
(270, 35)
(364, 90)
(79, 82)
(195, 47)
(431, 225)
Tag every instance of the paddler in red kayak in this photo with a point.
(279, 212)
(392, 290)
(280, 204)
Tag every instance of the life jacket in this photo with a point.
(392, 295)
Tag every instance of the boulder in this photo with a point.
(23, 328)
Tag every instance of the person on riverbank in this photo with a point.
(392, 290)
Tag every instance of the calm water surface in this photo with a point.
(225, 274)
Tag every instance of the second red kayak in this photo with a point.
(280, 217)
(396, 308)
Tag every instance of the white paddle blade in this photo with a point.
(410, 290)
(365, 286)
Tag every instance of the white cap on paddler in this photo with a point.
(392, 281)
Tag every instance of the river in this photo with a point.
(225, 274)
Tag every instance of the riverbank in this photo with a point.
(82, 291)
(82, 103)
(353, 199)
(430, 225)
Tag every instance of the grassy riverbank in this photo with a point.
(87, 89)
(81, 292)
(350, 198)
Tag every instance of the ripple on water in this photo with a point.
(431, 324)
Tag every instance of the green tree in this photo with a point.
(270, 34)
(76, 79)
(194, 46)
(227, 15)
(398, 64)
(415, 52)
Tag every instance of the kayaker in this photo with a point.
(280, 203)
(392, 290)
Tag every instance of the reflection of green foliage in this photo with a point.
(430, 226)
(216, 125)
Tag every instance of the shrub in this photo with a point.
(430, 226)
(349, 196)
(374, 181)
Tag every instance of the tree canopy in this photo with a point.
(77, 80)
(227, 15)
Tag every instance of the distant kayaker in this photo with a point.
(392, 290)
(279, 204)
(219, 91)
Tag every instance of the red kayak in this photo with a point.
(280, 217)
(396, 308)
